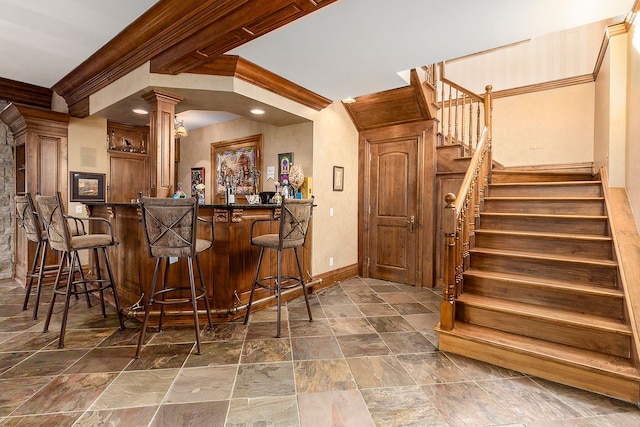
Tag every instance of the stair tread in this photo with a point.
(591, 237)
(546, 198)
(575, 286)
(544, 256)
(544, 183)
(555, 315)
(544, 215)
(566, 354)
(540, 172)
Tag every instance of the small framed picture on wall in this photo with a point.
(338, 178)
(285, 160)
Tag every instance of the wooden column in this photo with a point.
(161, 141)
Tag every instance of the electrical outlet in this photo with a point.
(79, 209)
(330, 211)
(330, 261)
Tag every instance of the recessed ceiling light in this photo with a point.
(257, 111)
(140, 111)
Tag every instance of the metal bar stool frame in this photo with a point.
(62, 239)
(29, 219)
(295, 217)
(170, 231)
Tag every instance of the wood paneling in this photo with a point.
(175, 37)
(228, 267)
(40, 138)
(407, 104)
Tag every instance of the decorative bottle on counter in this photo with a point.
(230, 194)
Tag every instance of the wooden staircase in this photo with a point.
(541, 292)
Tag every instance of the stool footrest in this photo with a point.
(104, 284)
(286, 282)
(200, 294)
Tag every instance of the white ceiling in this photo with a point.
(349, 48)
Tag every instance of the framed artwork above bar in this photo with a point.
(86, 187)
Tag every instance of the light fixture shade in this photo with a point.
(181, 130)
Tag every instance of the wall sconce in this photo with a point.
(179, 127)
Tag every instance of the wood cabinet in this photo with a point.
(127, 176)
(129, 171)
(228, 267)
(40, 166)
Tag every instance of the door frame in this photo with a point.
(425, 133)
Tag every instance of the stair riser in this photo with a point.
(581, 336)
(596, 226)
(562, 207)
(592, 274)
(510, 177)
(598, 305)
(590, 190)
(586, 248)
(561, 372)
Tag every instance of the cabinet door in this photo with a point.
(128, 175)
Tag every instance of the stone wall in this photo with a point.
(7, 187)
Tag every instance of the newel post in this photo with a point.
(488, 120)
(447, 306)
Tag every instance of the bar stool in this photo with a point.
(62, 239)
(295, 217)
(170, 231)
(27, 217)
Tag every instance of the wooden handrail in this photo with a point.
(458, 223)
(460, 111)
(462, 89)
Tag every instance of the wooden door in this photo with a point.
(393, 210)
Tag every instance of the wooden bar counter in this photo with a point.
(228, 267)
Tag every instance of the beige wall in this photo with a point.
(335, 143)
(330, 140)
(87, 145)
(633, 122)
(548, 127)
(611, 112)
(195, 149)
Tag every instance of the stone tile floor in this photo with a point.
(369, 358)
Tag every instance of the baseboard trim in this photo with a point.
(330, 278)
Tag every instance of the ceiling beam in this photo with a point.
(177, 35)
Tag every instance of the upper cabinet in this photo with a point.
(126, 138)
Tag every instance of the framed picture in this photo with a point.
(197, 177)
(86, 187)
(237, 164)
(285, 160)
(338, 178)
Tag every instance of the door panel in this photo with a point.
(128, 175)
(393, 210)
